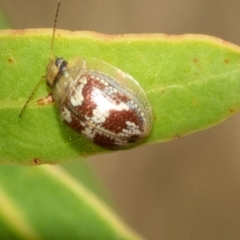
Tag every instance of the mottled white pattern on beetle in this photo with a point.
(76, 97)
(99, 116)
(89, 133)
(102, 111)
(132, 129)
(92, 125)
(66, 114)
(105, 105)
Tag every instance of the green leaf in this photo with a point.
(192, 81)
(46, 202)
(20, 213)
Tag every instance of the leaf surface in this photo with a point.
(192, 81)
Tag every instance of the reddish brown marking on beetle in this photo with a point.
(93, 82)
(227, 61)
(116, 120)
(75, 124)
(46, 100)
(118, 98)
(88, 104)
(104, 141)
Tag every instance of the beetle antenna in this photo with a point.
(43, 77)
(54, 27)
(31, 95)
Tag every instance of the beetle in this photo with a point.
(99, 101)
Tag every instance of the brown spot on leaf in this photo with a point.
(36, 161)
(11, 60)
(232, 111)
(195, 60)
(227, 61)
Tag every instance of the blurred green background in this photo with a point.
(188, 188)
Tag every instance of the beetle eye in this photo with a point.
(61, 64)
